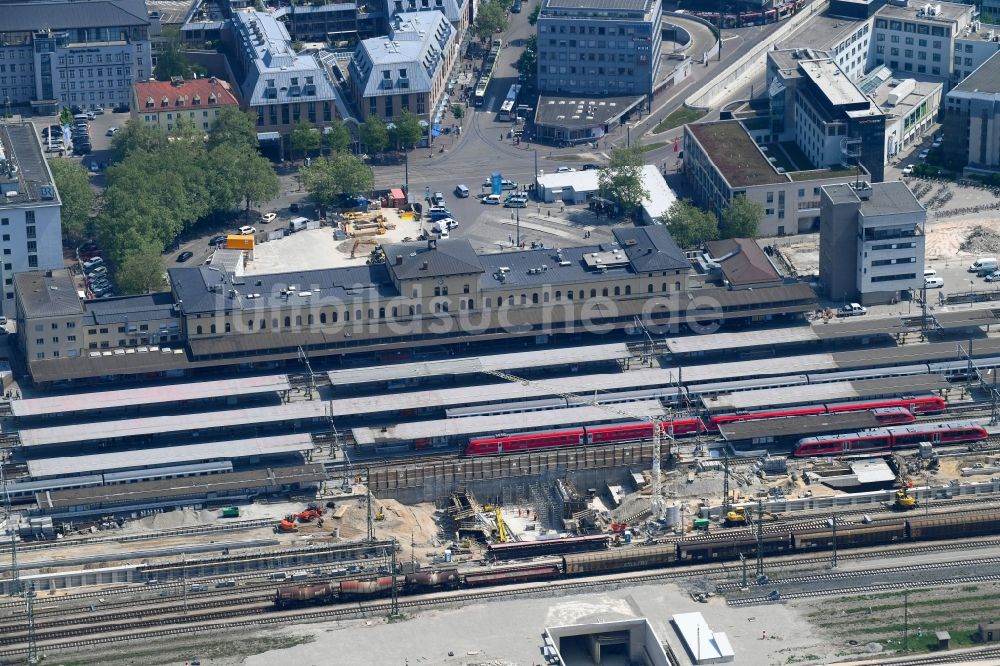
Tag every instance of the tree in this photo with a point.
(328, 180)
(374, 134)
(77, 197)
(338, 138)
(136, 136)
(533, 16)
(171, 61)
(741, 218)
(621, 179)
(491, 19)
(233, 127)
(141, 272)
(690, 225)
(458, 110)
(185, 130)
(304, 137)
(408, 130)
(257, 181)
(527, 63)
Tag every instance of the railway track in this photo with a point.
(985, 654)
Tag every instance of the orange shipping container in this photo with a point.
(238, 242)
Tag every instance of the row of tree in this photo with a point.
(621, 181)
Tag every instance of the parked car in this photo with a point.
(924, 153)
(437, 199)
(983, 262)
(492, 200)
(516, 7)
(933, 282)
(98, 270)
(852, 310)
(515, 203)
(907, 170)
(184, 256)
(111, 131)
(930, 272)
(591, 167)
(438, 213)
(993, 277)
(99, 111)
(92, 263)
(217, 240)
(565, 169)
(268, 217)
(461, 191)
(90, 115)
(504, 184)
(247, 230)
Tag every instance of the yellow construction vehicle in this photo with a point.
(904, 500)
(737, 516)
(501, 526)
(380, 514)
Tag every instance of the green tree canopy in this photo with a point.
(141, 271)
(535, 11)
(304, 137)
(136, 136)
(527, 63)
(374, 134)
(172, 61)
(621, 179)
(408, 130)
(338, 138)
(690, 225)
(491, 19)
(326, 180)
(741, 219)
(77, 197)
(233, 127)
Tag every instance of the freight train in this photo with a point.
(679, 553)
(884, 439)
(886, 410)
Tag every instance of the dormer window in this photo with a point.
(402, 73)
(165, 101)
(150, 103)
(212, 99)
(196, 100)
(295, 80)
(386, 74)
(180, 101)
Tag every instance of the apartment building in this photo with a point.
(30, 209)
(279, 85)
(871, 242)
(425, 294)
(162, 103)
(85, 53)
(599, 48)
(972, 120)
(406, 70)
(724, 160)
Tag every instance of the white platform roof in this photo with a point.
(85, 402)
(169, 455)
(474, 425)
(472, 365)
(717, 372)
(659, 200)
(785, 395)
(692, 344)
(704, 646)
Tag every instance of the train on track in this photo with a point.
(679, 553)
(886, 439)
(887, 411)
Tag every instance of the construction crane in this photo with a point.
(656, 499)
(501, 525)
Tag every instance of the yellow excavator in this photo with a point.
(904, 500)
(737, 516)
(501, 526)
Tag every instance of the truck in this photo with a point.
(231, 512)
(298, 224)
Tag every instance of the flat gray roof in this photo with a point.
(156, 425)
(850, 328)
(691, 344)
(968, 318)
(984, 80)
(786, 427)
(583, 385)
(713, 372)
(148, 395)
(823, 393)
(168, 455)
(405, 432)
(890, 199)
(476, 364)
(935, 351)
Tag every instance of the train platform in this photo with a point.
(451, 367)
(823, 393)
(784, 430)
(444, 430)
(123, 399)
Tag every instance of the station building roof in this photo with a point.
(800, 425)
(824, 393)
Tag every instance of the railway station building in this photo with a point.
(433, 293)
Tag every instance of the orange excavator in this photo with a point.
(288, 525)
(309, 514)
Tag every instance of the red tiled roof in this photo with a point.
(743, 262)
(189, 94)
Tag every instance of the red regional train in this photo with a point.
(890, 411)
(881, 439)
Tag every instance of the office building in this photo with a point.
(406, 70)
(910, 107)
(871, 242)
(30, 218)
(972, 120)
(277, 84)
(725, 159)
(200, 101)
(599, 48)
(85, 53)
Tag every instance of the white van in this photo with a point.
(983, 263)
(492, 199)
(933, 282)
(930, 272)
(298, 224)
